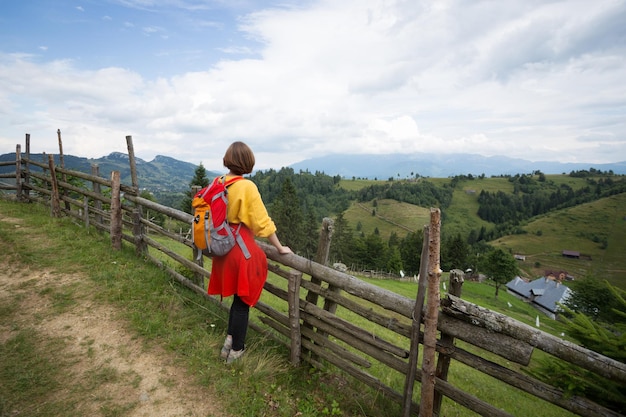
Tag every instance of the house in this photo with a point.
(544, 294)
(571, 254)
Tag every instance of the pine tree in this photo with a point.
(199, 180)
(288, 217)
(342, 241)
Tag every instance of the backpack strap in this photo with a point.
(229, 182)
(241, 243)
(238, 238)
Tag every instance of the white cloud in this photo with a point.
(523, 78)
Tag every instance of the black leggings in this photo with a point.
(238, 322)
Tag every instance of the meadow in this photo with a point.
(597, 229)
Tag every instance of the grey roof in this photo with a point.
(544, 292)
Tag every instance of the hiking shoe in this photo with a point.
(233, 355)
(228, 345)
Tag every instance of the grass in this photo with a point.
(596, 229)
(583, 228)
(391, 217)
(192, 329)
(158, 311)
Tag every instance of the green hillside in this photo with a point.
(597, 230)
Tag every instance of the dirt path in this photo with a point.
(108, 366)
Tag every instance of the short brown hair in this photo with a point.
(239, 158)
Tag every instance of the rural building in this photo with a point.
(571, 254)
(544, 293)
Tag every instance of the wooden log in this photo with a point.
(321, 256)
(160, 230)
(385, 321)
(116, 211)
(132, 163)
(507, 347)
(503, 345)
(293, 297)
(139, 233)
(180, 259)
(570, 352)
(447, 341)
(311, 341)
(95, 187)
(62, 164)
(18, 173)
(578, 405)
(26, 168)
(168, 211)
(415, 329)
(432, 312)
(125, 188)
(352, 285)
(357, 337)
(86, 212)
(55, 206)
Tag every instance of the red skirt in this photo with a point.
(234, 274)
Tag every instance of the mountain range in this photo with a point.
(168, 174)
(383, 167)
(161, 174)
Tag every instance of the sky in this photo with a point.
(534, 79)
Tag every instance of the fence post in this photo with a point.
(432, 312)
(95, 171)
(415, 328)
(116, 211)
(26, 168)
(18, 173)
(321, 257)
(62, 164)
(86, 211)
(133, 164)
(55, 204)
(141, 247)
(457, 277)
(293, 298)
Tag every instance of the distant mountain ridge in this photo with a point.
(383, 167)
(166, 174)
(161, 174)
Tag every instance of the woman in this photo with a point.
(234, 273)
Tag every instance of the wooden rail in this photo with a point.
(313, 331)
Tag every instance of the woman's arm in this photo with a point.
(273, 239)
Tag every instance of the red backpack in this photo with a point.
(212, 234)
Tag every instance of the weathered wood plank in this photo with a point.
(570, 352)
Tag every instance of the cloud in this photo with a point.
(525, 79)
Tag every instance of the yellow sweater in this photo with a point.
(246, 206)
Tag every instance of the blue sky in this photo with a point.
(539, 80)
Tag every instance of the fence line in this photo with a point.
(315, 334)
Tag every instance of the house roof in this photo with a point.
(545, 292)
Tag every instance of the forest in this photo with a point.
(299, 201)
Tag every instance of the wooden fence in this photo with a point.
(309, 326)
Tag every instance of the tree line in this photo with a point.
(534, 196)
(297, 202)
(594, 314)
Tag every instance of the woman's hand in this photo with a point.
(279, 246)
(283, 250)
